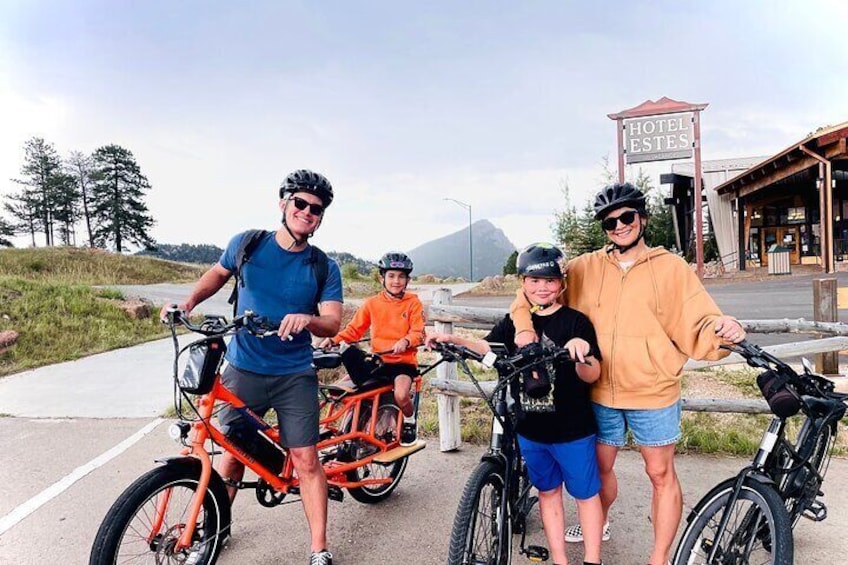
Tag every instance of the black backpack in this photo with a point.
(318, 260)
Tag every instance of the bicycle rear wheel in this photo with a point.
(482, 534)
(758, 529)
(146, 521)
(385, 429)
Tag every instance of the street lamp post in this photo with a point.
(470, 240)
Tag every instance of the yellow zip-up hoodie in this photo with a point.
(650, 319)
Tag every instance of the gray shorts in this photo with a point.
(294, 398)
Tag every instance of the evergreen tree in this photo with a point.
(36, 203)
(7, 230)
(81, 167)
(66, 207)
(510, 267)
(117, 205)
(23, 207)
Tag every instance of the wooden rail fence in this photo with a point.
(447, 316)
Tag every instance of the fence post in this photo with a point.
(450, 435)
(824, 310)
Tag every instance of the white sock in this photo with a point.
(409, 419)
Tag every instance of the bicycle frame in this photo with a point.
(346, 410)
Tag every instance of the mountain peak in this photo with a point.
(448, 256)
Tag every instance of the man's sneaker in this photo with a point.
(408, 434)
(322, 557)
(574, 534)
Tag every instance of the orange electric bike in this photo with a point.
(179, 512)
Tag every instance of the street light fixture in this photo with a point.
(470, 241)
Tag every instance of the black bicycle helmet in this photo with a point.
(395, 261)
(540, 260)
(304, 180)
(616, 196)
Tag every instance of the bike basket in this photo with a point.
(780, 399)
(204, 359)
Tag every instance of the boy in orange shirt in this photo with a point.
(396, 320)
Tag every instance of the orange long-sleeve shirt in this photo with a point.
(389, 319)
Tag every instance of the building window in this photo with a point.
(796, 215)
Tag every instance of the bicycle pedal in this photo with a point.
(816, 511)
(536, 553)
(335, 493)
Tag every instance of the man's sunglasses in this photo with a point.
(626, 219)
(301, 204)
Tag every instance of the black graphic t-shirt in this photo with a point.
(566, 413)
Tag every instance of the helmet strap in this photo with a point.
(540, 307)
(389, 292)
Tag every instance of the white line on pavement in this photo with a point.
(54, 490)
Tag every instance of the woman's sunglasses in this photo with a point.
(301, 204)
(626, 219)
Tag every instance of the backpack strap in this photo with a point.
(249, 241)
(319, 262)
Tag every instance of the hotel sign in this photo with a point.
(659, 138)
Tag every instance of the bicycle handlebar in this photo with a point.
(807, 383)
(218, 326)
(522, 359)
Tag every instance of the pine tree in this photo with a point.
(66, 207)
(7, 230)
(23, 207)
(117, 205)
(36, 203)
(510, 267)
(81, 167)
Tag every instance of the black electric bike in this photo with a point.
(496, 500)
(748, 519)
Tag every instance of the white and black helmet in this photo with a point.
(540, 260)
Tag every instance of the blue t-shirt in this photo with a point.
(276, 283)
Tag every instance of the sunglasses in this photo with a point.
(626, 219)
(301, 204)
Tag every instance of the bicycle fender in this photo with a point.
(759, 477)
(496, 458)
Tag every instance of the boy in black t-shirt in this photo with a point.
(556, 427)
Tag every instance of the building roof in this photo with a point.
(828, 143)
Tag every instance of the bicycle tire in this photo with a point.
(801, 486)
(756, 501)
(127, 522)
(385, 430)
(480, 534)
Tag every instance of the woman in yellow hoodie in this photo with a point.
(651, 314)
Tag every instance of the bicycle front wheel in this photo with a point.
(482, 533)
(146, 521)
(758, 529)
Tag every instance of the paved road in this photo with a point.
(61, 451)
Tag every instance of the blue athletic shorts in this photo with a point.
(573, 463)
(650, 428)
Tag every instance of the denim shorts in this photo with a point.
(574, 463)
(650, 428)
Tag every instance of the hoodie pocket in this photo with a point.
(634, 369)
(667, 360)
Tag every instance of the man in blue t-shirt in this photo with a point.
(280, 284)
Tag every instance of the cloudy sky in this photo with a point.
(401, 104)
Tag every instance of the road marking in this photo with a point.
(54, 490)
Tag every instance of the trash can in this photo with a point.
(778, 260)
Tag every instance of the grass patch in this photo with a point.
(72, 265)
(60, 322)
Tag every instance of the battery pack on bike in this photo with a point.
(247, 433)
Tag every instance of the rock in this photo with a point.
(8, 338)
(137, 308)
